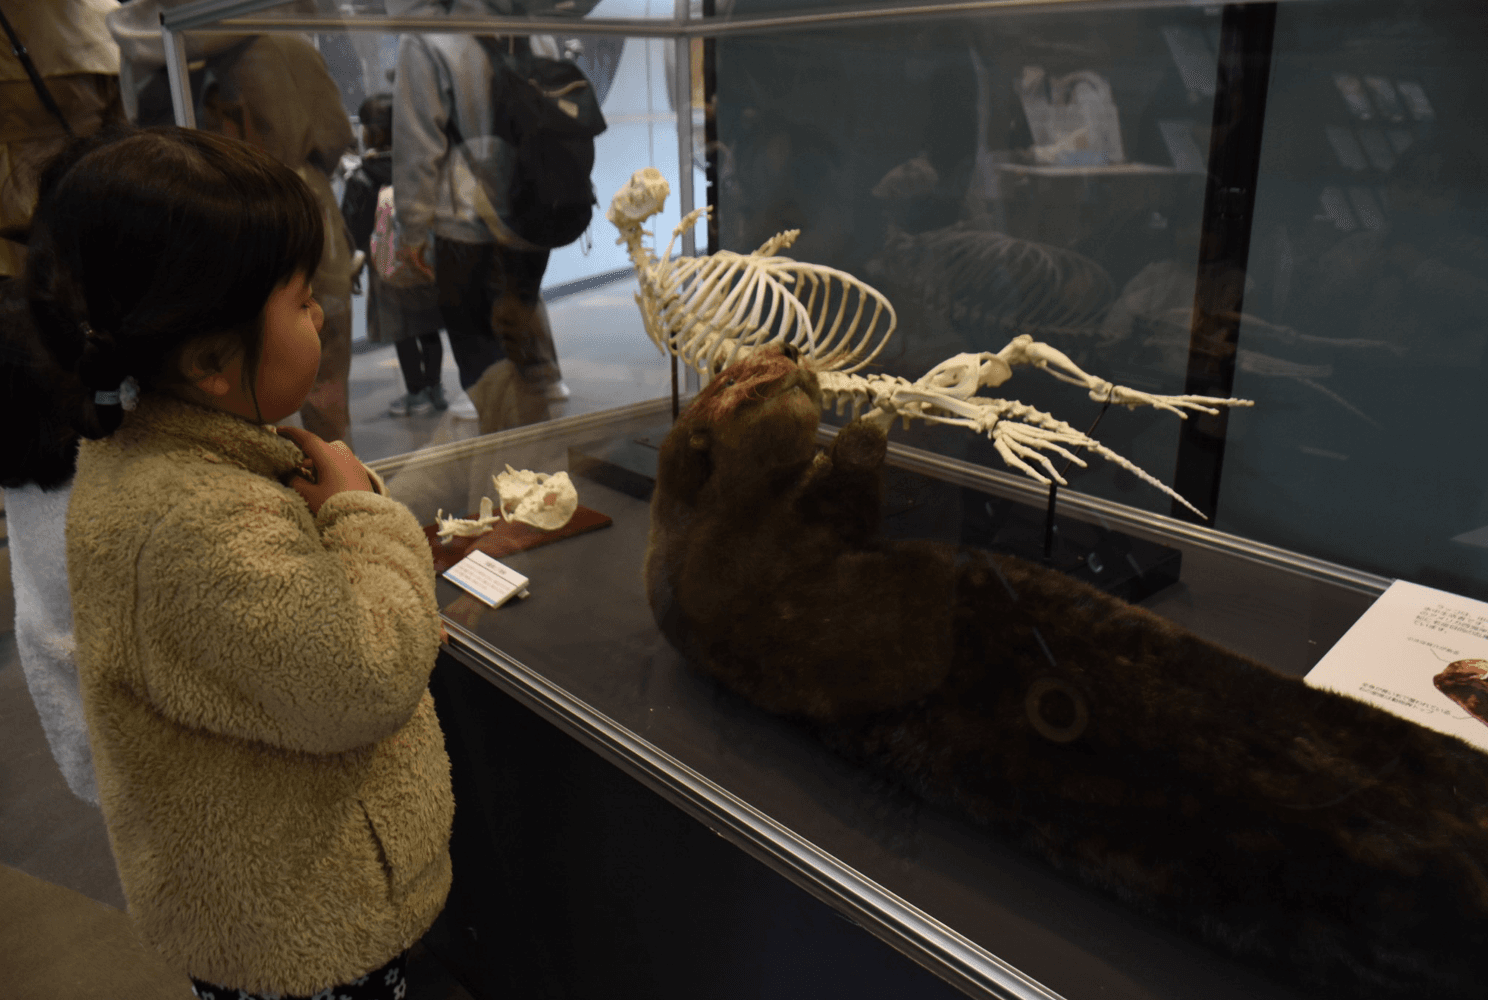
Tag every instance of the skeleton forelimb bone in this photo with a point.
(1025, 350)
(1020, 433)
(711, 311)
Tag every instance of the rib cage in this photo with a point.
(709, 308)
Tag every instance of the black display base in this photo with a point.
(625, 464)
(1129, 568)
(917, 506)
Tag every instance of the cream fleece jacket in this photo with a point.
(270, 768)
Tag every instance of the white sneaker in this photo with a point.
(461, 408)
(411, 404)
(556, 392)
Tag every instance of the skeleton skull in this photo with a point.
(536, 498)
(639, 199)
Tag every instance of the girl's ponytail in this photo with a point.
(102, 373)
(40, 444)
(42, 402)
(145, 241)
(84, 360)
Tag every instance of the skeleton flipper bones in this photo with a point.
(713, 310)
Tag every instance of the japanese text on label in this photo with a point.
(1440, 618)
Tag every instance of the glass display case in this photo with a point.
(1285, 203)
(584, 653)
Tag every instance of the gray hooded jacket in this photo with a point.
(439, 78)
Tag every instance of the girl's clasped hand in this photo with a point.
(332, 468)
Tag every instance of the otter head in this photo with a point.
(754, 423)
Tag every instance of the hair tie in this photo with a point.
(127, 395)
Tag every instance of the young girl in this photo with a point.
(254, 616)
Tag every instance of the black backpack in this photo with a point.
(548, 112)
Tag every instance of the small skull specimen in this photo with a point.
(543, 500)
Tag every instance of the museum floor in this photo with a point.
(63, 932)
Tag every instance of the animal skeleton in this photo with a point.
(711, 311)
(536, 498)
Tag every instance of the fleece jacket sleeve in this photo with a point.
(260, 622)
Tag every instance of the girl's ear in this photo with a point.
(203, 362)
(199, 372)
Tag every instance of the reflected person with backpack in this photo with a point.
(457, 186)
(402, 299)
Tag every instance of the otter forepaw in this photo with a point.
(860, 446)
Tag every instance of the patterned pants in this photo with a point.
(386, 983)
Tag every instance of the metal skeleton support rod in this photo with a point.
(686, 197)
(1054, 487)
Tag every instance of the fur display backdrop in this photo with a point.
(1334, 844)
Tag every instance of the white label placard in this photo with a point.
(488, 579)
(1393, 653)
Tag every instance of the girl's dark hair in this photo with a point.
(39, 446)
(145, 241)
(376, 116)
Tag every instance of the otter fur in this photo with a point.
(1336, 845)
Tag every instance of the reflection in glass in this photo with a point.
(992, 177)
(1370, 244)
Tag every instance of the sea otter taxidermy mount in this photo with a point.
(1337, 845)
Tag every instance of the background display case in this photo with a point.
(1310, 175)
(1281, 202)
